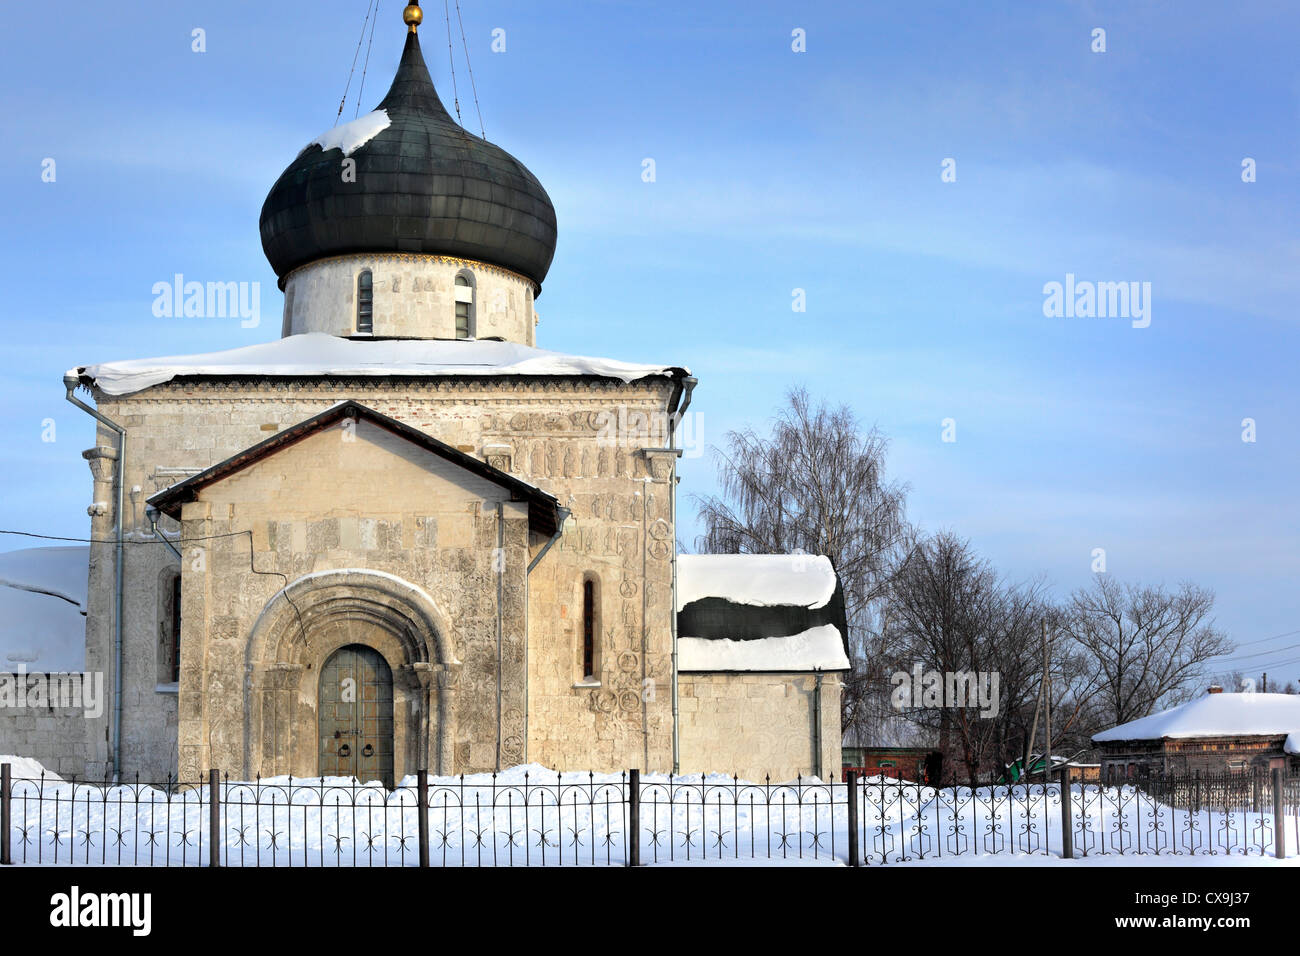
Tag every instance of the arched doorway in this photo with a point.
(355, 706)
(296, 635)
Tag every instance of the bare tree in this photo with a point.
(1017, 655)
(1149, 646)
(950, 613)
(937, 603)
(815, 484)
(1073, 683)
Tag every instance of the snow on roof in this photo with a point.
(1215, 715)
(1292, 745)
(61, 571)
(42, 609)
(40, 633)
(318, 354)
(818, 648)
(354, 134)
(762, 580)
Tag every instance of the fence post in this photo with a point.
(854, 856)
(634, 817)
(1279, 816)
(214, 818)
(5, 797)
(1067, 814)
(422, 811)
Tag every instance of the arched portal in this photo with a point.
(355, 713)
(300, 634)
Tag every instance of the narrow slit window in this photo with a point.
(176, 629)
(365, 302)
(286, 326)
(464, 307)
(588, 629)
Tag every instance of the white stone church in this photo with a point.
(403, 536)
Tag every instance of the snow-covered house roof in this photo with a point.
(43, 609)
(760, 612)
(1215, 715)
(315, 354)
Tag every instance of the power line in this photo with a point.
(366, 65)
(470, 68)
(55, 537)
(252, 566)
(1230, 658)
(1278, 665)
(353, 70)
(446, 12)
(1263, 639)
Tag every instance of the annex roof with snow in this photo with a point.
(1215, 715)
(760, 613)
(43, 610)
(315, 354)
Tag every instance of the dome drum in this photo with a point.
(409, 296)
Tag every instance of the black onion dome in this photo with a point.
(423, 185)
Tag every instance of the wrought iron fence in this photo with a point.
(1191, 813)
(585, 819)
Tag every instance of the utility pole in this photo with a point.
(877, 720)
(1026, 765)
(1047, 707)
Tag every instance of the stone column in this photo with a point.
(101, 595)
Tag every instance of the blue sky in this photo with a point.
(776, 170)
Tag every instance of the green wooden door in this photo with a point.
(356, 715)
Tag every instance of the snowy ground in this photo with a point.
(528, 816)
(1130, 860)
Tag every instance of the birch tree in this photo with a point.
(815, 483)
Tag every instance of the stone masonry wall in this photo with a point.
(55, 736)
(555, 433)
(756, 725)
(351, 499)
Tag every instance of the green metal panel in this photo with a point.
(356, 715)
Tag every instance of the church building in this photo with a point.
(402, 535)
